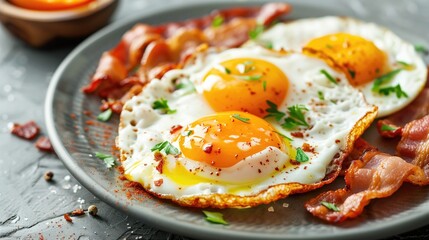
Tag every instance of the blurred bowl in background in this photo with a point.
(39, 27)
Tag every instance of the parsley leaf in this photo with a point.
(167, 147)
(321, 96)
(105, 116)
(254, 33)
(108, 159)
(264, 85)
(328, 76)
(421, 49)
(296, 117)
(217, 21)
(187, 133)
(384, 79)
(386, 127)
(273, 112)
(330, 206)
(187, 86)
(215, 217)
(227, 71)
(284, 136)
(162, 104)
(301, 156)
(269, 45)
(250, 78)
(396, 89)
(352, 73)
(243, 119)
(406, 66)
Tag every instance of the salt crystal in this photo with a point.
(271, 209)
(67, 178)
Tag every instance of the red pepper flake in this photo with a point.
(26, 131)
(158, 182)
(90, 122)
(158, 156)
(68, 218)
(44, 144)
(307, 148)
(122, 178)
(87, 113)
(175, 128)
(121, 169)
(297, 134)
(337, 141)
(207, 148)
(73, 116)
(77, 212)
(159, 167)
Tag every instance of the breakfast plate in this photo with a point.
(76, 135)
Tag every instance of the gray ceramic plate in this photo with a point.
(75, 142)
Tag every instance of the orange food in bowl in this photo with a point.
(49, 5)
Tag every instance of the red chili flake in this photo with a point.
(89, 122)
(307, 148)
(175, 128)
(27, 131)
(158, 156)
(159, 167)
(44, 144)
(122, 178)
(73, 116)
(87, 113)
(208, 147)
(297, 134)
(158, 182)
(77, 212)
(68, 218)
(337, 141)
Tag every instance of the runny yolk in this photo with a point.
(357, 57)
(245, 84)
(226, 138)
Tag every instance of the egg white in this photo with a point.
(333, 121)
(296, 34)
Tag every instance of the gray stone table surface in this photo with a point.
(30, 207)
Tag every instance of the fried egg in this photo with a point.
(384, 67)
(240, 127)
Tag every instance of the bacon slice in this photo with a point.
(377, 175)
(174, 41)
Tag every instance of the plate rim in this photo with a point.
(159, 221)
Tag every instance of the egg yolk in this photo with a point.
(244, 84)
(357, 57)
(226, 138)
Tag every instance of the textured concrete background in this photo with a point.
(31, 207)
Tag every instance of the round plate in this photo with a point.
(76, 136)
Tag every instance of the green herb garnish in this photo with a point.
(250, 78)
(396, 89)
(328, 76)
(162, 105)
(264, 85)
(284, 136)
(109, 160)
(166, 147)
(352, 73)
(254, 33)
(421, 49)
(186, 86)
(273, 111)
(301, 156)
(215, 217)
(386, 78)
(406, 66)
(227, 71)
(187, 133)
(269, 45)
(321, 96)
(105, 116)
(386, 127)
(296, 117)
(330, 206)
(243, 119)
(217, 21)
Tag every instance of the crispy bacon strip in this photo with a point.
(156, 49)
(377, 175)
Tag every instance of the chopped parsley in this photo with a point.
(162, 105)
(284, 136)
(187, 133)
(254, 33)
(217, 21)
(269, 45)
(386, 127)
(406, 66)
(352, 73)
(273, 111)
(187, 86)
(109, 160)
(330, 206)
(296, 117)
(243, 119)
(250, 78)
(215, 217)
(105, 116)
(321, 96)
(246, 67)
(386, 78)
(421, 49)
(166, 147)
(328, 76)
(264, 85)
(396, 89)
(301, 156)
(227, 71)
